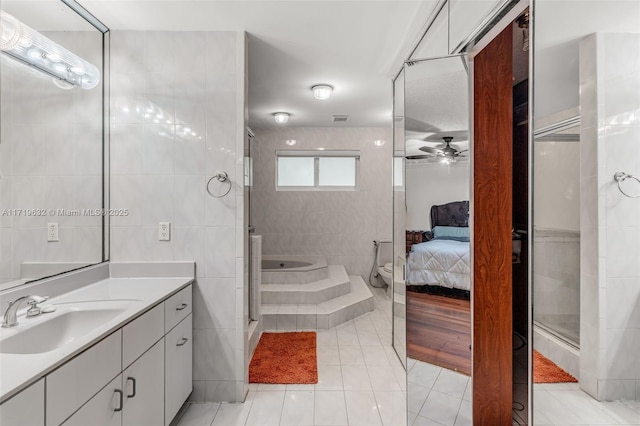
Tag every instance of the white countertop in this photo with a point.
(17, 371)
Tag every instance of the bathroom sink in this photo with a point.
(58, 330)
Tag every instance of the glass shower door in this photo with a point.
(556, 272)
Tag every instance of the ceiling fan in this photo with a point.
(445, 152)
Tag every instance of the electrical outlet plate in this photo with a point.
(52, 232)
(164, 231)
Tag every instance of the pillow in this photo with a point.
(456, 233)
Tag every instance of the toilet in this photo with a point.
(384, 261)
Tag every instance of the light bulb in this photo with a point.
(52, 57)
(322, 91)
(59, 68)
(34, 54)
(281, 117)
(77, 70)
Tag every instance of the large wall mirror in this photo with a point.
(399, 214)
(433, 242)
(51, 142)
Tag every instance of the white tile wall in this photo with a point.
(339, 225)
(50, 158)
(610, 229)
(177, 118)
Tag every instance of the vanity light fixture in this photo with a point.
(26, 45)
(322, 91)
(281, 117)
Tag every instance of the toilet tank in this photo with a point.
(385, 252)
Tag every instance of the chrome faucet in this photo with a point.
(10, 315)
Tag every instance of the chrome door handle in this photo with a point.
(181, 307)
(182, 341)
(133, 388)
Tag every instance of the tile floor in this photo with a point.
(437, 396)
(360, 382)
(565, 404)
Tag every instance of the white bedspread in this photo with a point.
(440, 262)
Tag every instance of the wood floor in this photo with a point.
(439, 331)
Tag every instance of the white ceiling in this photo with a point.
(356, 46)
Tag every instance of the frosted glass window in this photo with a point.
(339, 171)
(296, 171)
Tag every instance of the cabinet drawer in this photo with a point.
(176, 308)
(177, 368)
(73, 384)
(101, 409)
(26, 408)
(141, 334)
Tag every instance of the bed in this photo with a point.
(442, 264)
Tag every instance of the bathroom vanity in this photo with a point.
(116, 352)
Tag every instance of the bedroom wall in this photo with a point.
(339, 225)
(429, 184)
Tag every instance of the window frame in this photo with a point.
(316, 155)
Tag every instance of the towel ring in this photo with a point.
(220, 177)
(621, 177)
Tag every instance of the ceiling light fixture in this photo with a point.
(24, 44)
(379, 142)
(322, 91)
(281, 117)
(291, 142)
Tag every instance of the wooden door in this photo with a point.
(492, 224)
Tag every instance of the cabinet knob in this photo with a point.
(181, 306)
(182, 341)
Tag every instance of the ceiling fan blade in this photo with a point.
(430, 150)
(461, 152)
(455, 135)
(418, 157)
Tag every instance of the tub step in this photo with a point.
(321, 316)
(335, 285)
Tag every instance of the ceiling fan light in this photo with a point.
(322, 91)
(281, 117)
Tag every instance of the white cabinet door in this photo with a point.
(177, 369)
(75, 382)
(104, 409)
(143, 389)
(26, 408)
